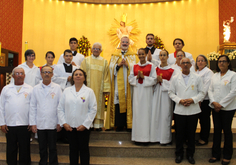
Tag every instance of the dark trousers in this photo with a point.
(47, 138)
(120, 118)
(185, 127)
(205, 120)
(223, 121)
(79, 145)
(20, 135)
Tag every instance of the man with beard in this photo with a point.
(151, 51)
(119, 111)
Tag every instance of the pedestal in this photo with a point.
(227, 47)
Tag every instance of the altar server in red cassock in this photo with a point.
(162, 104)
(142, 77)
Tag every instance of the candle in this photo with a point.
(26, 45)
(89, 52)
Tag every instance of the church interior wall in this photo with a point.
(48, 24)
(11, 24)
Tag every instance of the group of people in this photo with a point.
(145, 90)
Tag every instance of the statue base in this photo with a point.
(227, 47)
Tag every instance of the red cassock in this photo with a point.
(165, 73)
(145, 69)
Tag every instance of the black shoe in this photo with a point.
(191, 160)
(138, 143)
(119, 129)
(213, 160)
(166, 144)
(129, 130)
(145, 143)
(225, 163)
(99, 129)
(200, 144)
(178, 159)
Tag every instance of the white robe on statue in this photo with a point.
(162, 108)
(142, 101)
(60, 76)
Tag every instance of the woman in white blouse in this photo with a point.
(76, 112)
(222, 96)
(204, 117)
(50, 57)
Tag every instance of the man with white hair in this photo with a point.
(14, 118)
(98, 79)
(119, 110)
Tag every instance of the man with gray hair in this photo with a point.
(186, 90)
(98, 79)
(14, 118)
(119, 110)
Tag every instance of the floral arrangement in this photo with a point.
(213, 56)
(158, 43)
(84, 46)
(232, 55)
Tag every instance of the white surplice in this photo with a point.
(32, 75)
(206, 75)
(162, 110)
(142, 104)
(60, 76)
(77, 59)
(171, 60)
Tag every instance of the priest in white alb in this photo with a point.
(119, 110)
(98, 79)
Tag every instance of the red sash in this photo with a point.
(145, 69)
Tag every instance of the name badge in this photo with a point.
(192, 87)
(52, 94)
(83, 98)
(26, 94)
(226, 82)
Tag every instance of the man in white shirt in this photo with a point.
(178, 44)
(43, 115)
(152, 52)
(77, 57)
(63, 72)
(186, 90)
(14, 118)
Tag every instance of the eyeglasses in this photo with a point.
(45, 72)
(19, 73)
(222, 61)
(163, 55)
(185, 63)
(32, 55)
(98, 49)
(180, 56)
(200, 60)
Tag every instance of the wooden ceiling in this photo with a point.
(119, 1)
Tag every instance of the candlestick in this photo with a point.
(26, 45)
